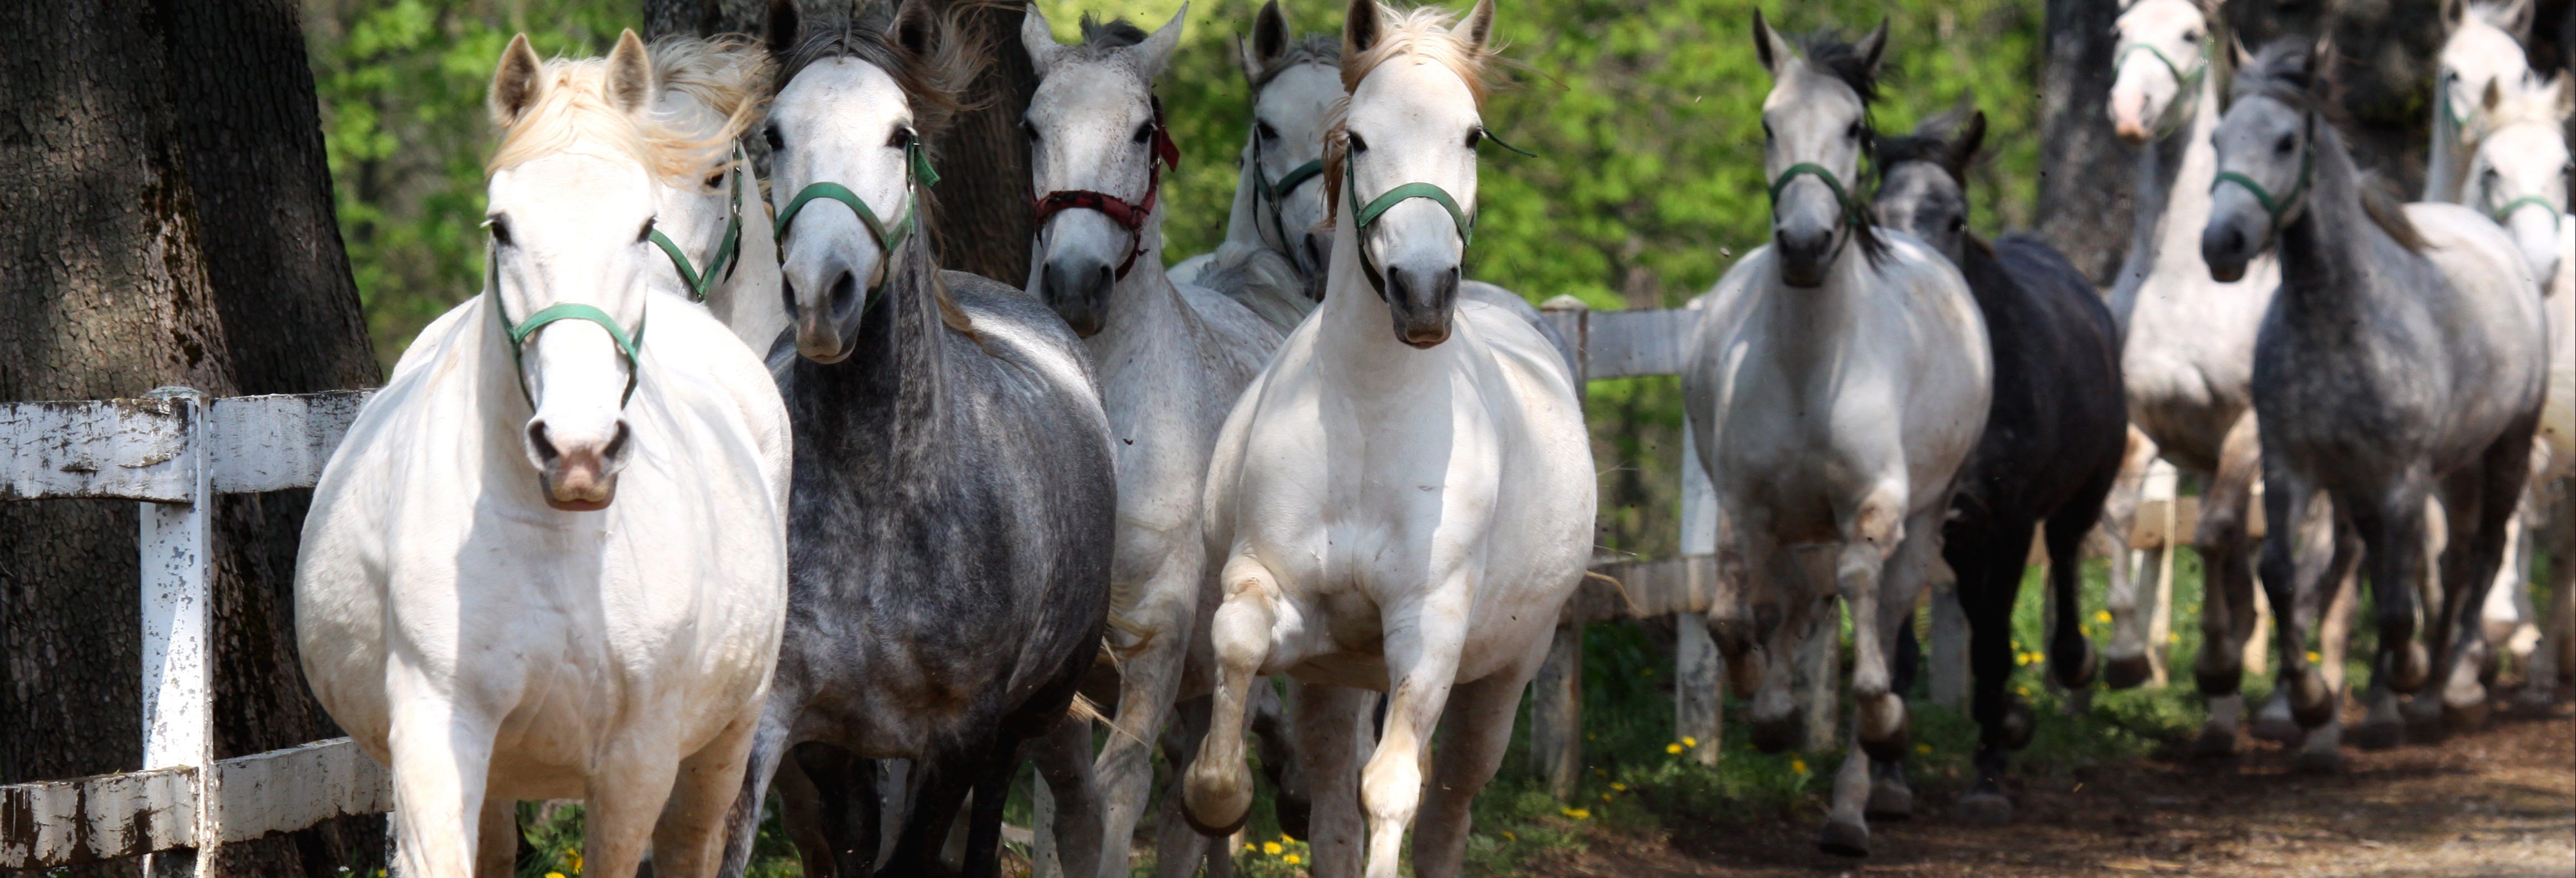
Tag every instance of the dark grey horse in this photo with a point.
(2402, 356)
(2054, 436)
(949, 530)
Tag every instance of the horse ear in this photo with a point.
(1963, 148)
(630, 74)
(781, 27)
(1360, 27)
(1873, 47)
(1478, 29)
(915, 27)
(2514, 17)
(2452, 12)
(1270, 36)
(2236, 51)
(514, 83)
(1156, 51)
(2321, 56)
(1773, 48)
(1038, 38)
(2492, 96)
(2564, 91)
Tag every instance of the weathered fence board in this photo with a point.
(270, 443)
(119, 448)
(290, 789)
(66, 822)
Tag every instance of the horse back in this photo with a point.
(2057, 419)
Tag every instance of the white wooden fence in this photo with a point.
(176, 452)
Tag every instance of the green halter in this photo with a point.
(1367, 215)
(917, 173)
(2278, 207)
(728, 250)
(1277, 192)
(2504, 213)
(2186, 85)
(518, 332)
(1853, 216)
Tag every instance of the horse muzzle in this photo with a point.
(1078, 289)
(825, 329)
(578, 475)
(1422, 303)
(2226, 247)
(1805, 253)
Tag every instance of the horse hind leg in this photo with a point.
(1333, 733)
(688, 840)
(1064, 763)
(1178, 848)
(1218, 789)
(2495, 489)
(1988, 587)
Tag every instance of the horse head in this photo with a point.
(1295, 85)
(2267, 154)
(848, 161)
(1923, 181)
(1097, 148)
(1401, 159)
(2519, 175)
(574, 195)
(1816, 133)
(2166, 47)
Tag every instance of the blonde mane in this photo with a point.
(1424, 33)
(572, 106)
(2534, 103)
(729, 74)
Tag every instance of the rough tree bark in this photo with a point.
(703, 18)
(2383, 76)
(981, 220)
(2084, 170)
(187, 236)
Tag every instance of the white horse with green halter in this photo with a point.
(2483, 48)
(710, 89)
(1173, 358)
(1403, 500)
(549, 559)
(1276, 247)
(1840, 378)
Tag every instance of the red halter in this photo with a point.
(1129, 215)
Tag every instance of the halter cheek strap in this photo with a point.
(1128, 215)
(2187, 85)
(728, 249)
(889, 239)
(1276, 193)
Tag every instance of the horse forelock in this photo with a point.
(1419, 33)
(934, 82)
(574, 107)
(1310, 49)
(1100, 38)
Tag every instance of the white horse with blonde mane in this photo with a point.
(549, 559)
(1403, 500)
(711, 89)
(2483, 48)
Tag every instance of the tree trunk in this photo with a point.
(981, 220)
(703, 18)
(2383, 74)
(2085, 176)
(189, 239)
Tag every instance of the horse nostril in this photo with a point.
(538, 441)
(617, 443)
(1102, 279)
(845, 294)
(787, 290)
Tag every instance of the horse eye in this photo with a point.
(1473, 136)
(1358, 145)
(644, 233)
(1958, 224)
(1766, 129)
(500, 227)
(2286, 144)
(2191, 36)
(1144, 132)
(1853, 133)
(715, 179)
(1029, 128)
(776, 143)
(1263, 128)
(901, 138)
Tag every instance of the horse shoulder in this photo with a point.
(741, 380)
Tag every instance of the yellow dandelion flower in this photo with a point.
(1688, 741)
(576, 861)
(1619, 787)
(2314, 658)
(2173, 638)
(1798, 765)
(1577, 813)
(1284, 839)
(2102, 616)
(1673, 748)
(1251, 848)
(1605, 797)
(1270, 847)
(1291, 859)
(554, 875)
(1925, 749)
(2022, 659)
(2024, 691)
(1508, 836)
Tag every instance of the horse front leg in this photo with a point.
(2227, 613)
(1475, 730)
(2488, 495)
(1878, 538)
(624, 798)
(2125, 663)
(1423, 642)
(1148, 680)
(1333, 730)
(2287, 501)
(742, 819)
(688, 840)
(441, 760)
(1218, 789)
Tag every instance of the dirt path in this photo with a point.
(2498, 802)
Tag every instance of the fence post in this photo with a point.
(1556, 695)
(1699, 670)
(178, 637)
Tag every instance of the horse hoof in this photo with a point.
(2378, 734)
(2127, 672)
(2214, 743)
(2218, 683)
(2458, 718)
(2413, 667)
(2423, 717)
(2019, 723)
(1886, 729)
(1218, 832)
(1988, 807)
(2312, 704)
(1844, 839)
(1889, 800)
(2275, 723)
(2535, 697)
(1778, 735)
(2077, 673)
(2322, 761)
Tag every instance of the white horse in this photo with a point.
(1403, 500)
(2189, 355)
(548, 561)
(712, 88)
(1276, 249)
(1841, 377)
(1173, 359)
(2484, 47)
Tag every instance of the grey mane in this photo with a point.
(1101, 38)
(1310, 49)
(2280, 72)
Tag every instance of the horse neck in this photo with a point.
(1242, 223)
(2172, 202)
(1143, 302)
(894, 382)
(2326, 252)
(2448, 162)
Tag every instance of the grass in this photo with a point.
(1637, 778)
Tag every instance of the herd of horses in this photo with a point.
(701, 501)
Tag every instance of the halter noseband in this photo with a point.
(1277, 193)
(2279, 207)
(1128, 215)
(728, 250)
(2186, 85)
(1367, 215)
(1852, 215)
(517, 333)
(889, 239)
